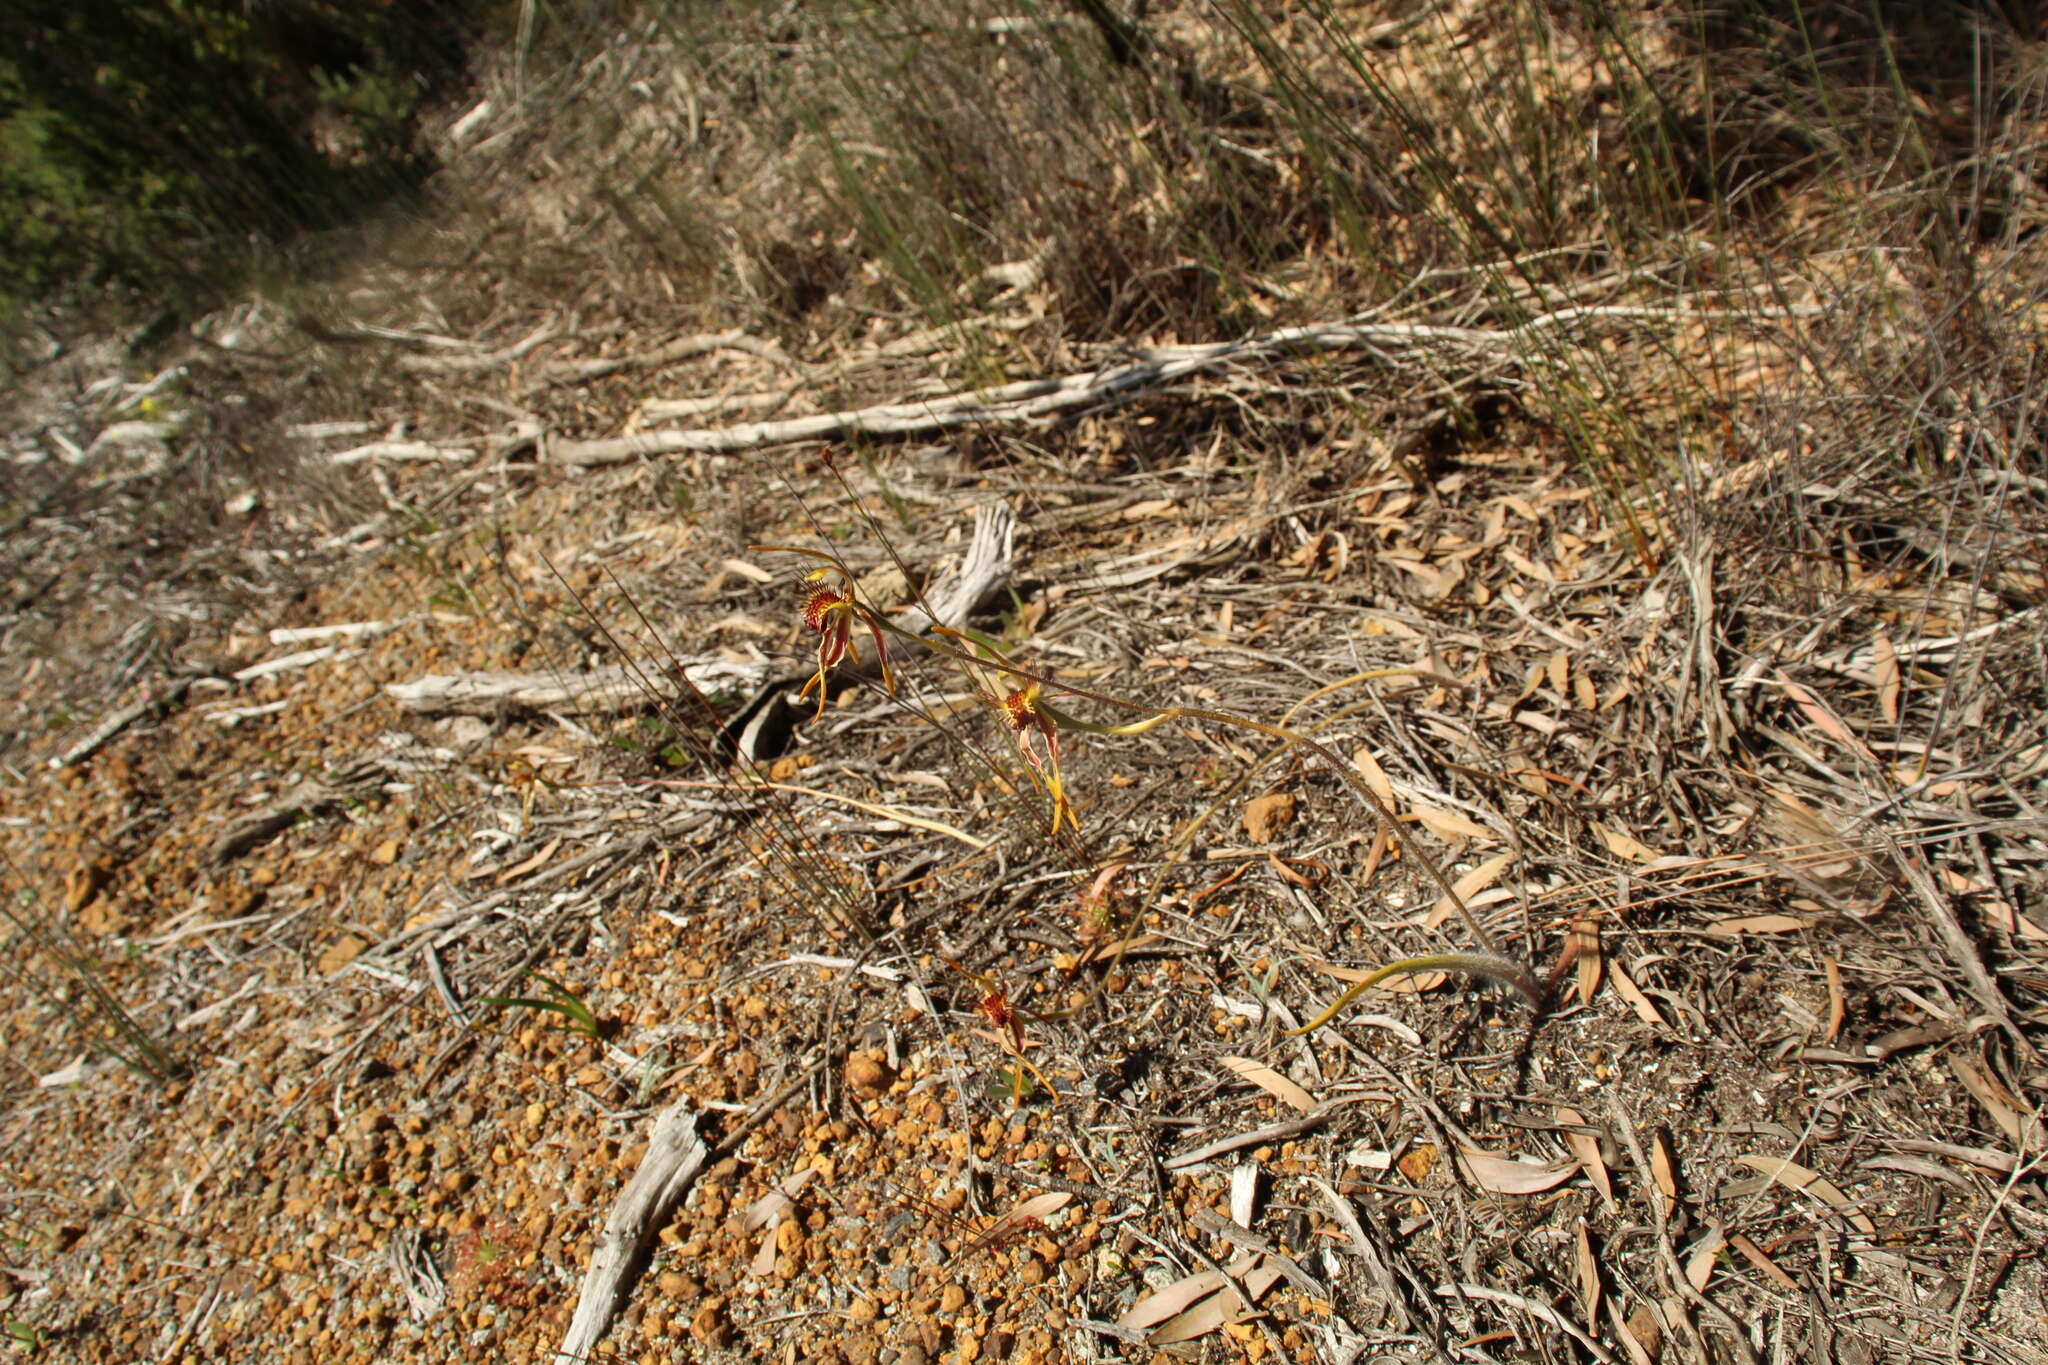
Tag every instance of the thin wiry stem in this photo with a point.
(1494, 963)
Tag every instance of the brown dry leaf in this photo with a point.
(1220, 1309)
(1754, 1254)
(1584, 692)
(533, 864)
(1586, 1148)
(1838, 1009)
(1589, 1276)
(1182, 1294)
(1586, 935)
(341, 952)
(1755, 924)
(1436, 583)
(1526, 565)
(1503, 1175)
(1884, 666)
(753, 573)
(1824, 720)
(2007, 1110)
(1413, 983)
(1468, 886)
(770, 1207)
(83, 885)
(1663, 1166)
(1418, 1163)
(1622, 845)
(1447, 825)
(1375, 776)
(1699, 1267)
(764, 1259)
(1272, 1082)
(1266, 816)
(1288, 874)
(1036, 1209)
(1810, 1182)
(1560, 671)
(1625, 987)
(1639, 1333)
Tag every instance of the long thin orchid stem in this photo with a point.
(1496, 963)
(1492, 962)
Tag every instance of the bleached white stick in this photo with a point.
(675, 1153)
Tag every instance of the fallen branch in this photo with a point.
(602, 691)
(675, 1153)
(416, 451)
(311, 797)
(173, 692)
(682, 348)
(675, 409)
(1033, 399)
(488, 360)
(626, 687)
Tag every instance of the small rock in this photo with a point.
(709, 1326)
(1265, 817)
(385, 854)
(341, 952)
(866, 1075)
(952, 1299)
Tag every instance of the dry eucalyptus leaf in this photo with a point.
(1699, 1266)
(1810, 1182)
(1589, 1275)
(1448, 825)
(1036, 1209)
(1503, 1175)
(1220, 1309)
(1625, 986)
(1375, 777)
(1884, 667)
(1624, 846)
(1663, 1165)
(1469, 886)
(1182, 1294)
(1272, 1082)
(770, 1207)
(1586, 1148)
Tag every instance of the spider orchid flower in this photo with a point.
(831, 610)
(1034, 721)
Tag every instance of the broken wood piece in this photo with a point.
(315, 796)
(474, 363)
(430, 452)
(353, 630)
(602, 691)
(1034, 399)
(675, 1153)
(656, 410)
(681, 348)
(291, 663)
(95, 739)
